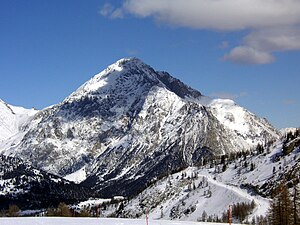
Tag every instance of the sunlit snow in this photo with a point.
(91, 221)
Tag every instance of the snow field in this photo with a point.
(90, 221)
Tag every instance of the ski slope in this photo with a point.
(262, 204)
(90, 221)
(171, 199)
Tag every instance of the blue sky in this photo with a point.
(49, 48)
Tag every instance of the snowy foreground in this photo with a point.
(90, 221)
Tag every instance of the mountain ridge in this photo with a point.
(130, 124)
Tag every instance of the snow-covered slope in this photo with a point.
(242, 178)
(248, 128)
(187, 194)
(90, 221)
(129, 125)
(12, 118)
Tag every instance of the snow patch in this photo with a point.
(78, 176)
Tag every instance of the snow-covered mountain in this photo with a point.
(130, 125)
(12, 118)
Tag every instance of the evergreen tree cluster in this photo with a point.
(291, 141)
(240, 211)
(30, 188)
(64, 210)
(285, 208)
(242, 159)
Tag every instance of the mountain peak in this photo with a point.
(114, 77)
(129, 125)
(124, 63)
(128, 73)
(130, 60)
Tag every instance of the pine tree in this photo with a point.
(281, 207)
(224, 167)
(286, 206)
(190, 187)
(296, 205)
(252, 166)
(204, 216)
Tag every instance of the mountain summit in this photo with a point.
(127, 73)
(130, 125)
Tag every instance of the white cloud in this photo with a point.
(106, 9)
(273, 25)
(117, 14)
(274, 39)
(248, 55)
(259, 45)
(227, 95)
(218, 14)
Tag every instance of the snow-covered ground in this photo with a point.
(171, 198)
(90, 221)
(184, 195)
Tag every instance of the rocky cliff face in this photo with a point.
(130, 124)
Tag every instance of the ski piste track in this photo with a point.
(262, 204)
